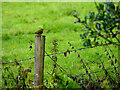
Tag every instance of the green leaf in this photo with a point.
(91, 23)
(85, 35)
(75, 13)
(105, 17)
(87, 42)
(91, 15)
(83, 29)
(94, 38)
(91, 34)
(77, 21)
(98, 26)
(104, 25)
(99, 17)
(81, 36)
(85, 19)
(86, 26)
(101, 6)
(118, 27)
(114, 35)
(107, 29)
(110, 8)
(96, 44)
(96, 16)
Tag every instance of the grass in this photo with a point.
(21, 20)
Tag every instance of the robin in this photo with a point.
(39, 32)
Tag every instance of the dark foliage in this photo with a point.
(107, 20)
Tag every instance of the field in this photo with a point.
(21, 20)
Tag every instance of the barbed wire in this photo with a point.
(91, 72)
(58, 65)
(82, 48)
(102, 70)
(66, 71)
(18, 60)
(88, 73)
(60, 52)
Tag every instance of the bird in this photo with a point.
(39, 32)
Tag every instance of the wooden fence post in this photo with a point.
(39, 60)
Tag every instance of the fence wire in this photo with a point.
(82, 73)
(58, 65)
(63, 53)
(60, 52)
(101, 70)
(82, 48)
(91, 72)
(18, 60)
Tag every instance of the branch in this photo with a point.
(117, 32)
(106, 38)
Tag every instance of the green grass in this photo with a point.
(21, 20)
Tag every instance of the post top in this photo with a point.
(40, 36)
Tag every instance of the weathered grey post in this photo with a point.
(39, 60)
